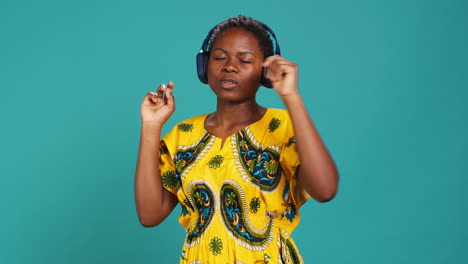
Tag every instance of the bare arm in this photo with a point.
(317, 173)
(153, 202)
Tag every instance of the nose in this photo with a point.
(230, 66)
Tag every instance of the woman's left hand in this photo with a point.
(283, 75)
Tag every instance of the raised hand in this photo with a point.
(156, 108)
(283, 75)
(317, 174)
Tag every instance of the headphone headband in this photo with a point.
(205, 44)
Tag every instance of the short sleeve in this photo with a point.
(169, 177)
(290, 163)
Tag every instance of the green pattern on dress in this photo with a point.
(271, 167)
(201, 197)
(242, 144)
(231, 198)
(215, 162)
(291, 141)
(187, 156)
(235, 217)
(274, 124)
(163, 148)
(185, 127)
(179, 164)
(294, 257)
(260, 164)
(186, 207)
(254, 205)
(169, 179)
(216, 246)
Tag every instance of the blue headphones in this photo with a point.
(203, 56)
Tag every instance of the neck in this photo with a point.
(234, 114)
(230, 118)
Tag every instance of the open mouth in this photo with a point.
(228, 83)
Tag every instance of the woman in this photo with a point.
(242, 172)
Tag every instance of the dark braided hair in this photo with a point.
(249, 24)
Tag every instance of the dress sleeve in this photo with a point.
(169, 177)
(290, 163)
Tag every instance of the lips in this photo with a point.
(228, 83)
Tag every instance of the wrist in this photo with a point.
(291, 99)
(152, 122)
(151, 128)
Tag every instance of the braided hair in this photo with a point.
(249, 24)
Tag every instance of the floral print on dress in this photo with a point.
(216, 245)
(184, 127)
(259, 164)
(169, 180)
(290, 208)
(291, 141)
(235, 199)
(274, 124)
(234, 215)
(254, 205)
(188, 156)
(202, 198)
(215, 162)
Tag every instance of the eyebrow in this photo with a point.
(242, 52)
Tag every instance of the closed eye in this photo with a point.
(244, 61)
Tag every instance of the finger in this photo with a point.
(270, 60)
(170, 85)
(278, 63)
(277, 71)
(170, 100)
(150, 97)
(273, 63)
(272, 70)
(160, 90)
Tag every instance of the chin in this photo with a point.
(235, 99)
(236, 94)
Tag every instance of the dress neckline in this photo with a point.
(235, 133)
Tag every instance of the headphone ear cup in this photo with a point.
(265, 81)
(202, 65)
(206, 58)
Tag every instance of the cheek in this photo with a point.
(211, 70)
(256, 75)
(210, 75)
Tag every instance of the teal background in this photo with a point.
(384, 81)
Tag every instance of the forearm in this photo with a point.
(317, 173)
(149, 193)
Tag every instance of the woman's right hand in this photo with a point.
(155, 109)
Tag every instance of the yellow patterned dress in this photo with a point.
(240, 200)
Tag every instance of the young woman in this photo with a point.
(241, 173)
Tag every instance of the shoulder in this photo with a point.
(193, 123)
(278, 120)
(186, 131)
(278, 113)
(274, 129)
